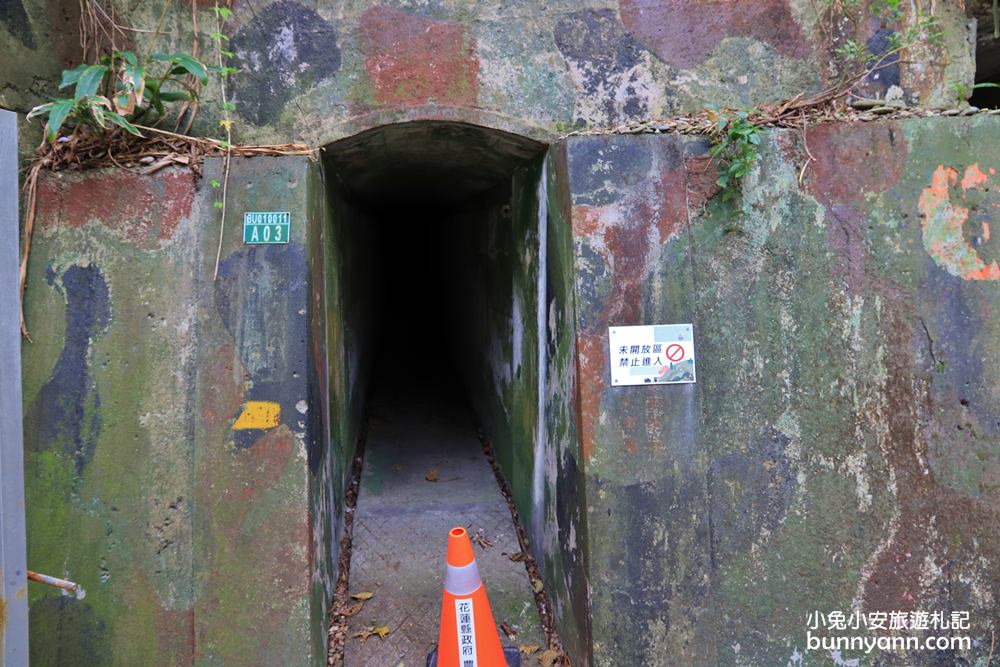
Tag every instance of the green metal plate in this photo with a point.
(266, 227)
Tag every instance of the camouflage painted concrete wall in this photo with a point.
(542, 68)
(840, 449)
(176, 426)
(325, 70)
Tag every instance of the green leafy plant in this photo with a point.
(854, 58)
(925, 28)
(887, 10)
(735, 149)
(121, 90)
(853, 53)
(964, 92)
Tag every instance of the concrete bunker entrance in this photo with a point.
(438, 228)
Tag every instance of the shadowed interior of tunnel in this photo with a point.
(428, 206)
(415, 310)
(986, 93)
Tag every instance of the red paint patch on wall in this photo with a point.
(587, 220)
(621, 233)
(943, 224)
(933, 523)
(142, 210)
(672, 216)
(225, 390)
(175, 629)
(852, 159)
(412, 60)
(270, 454)
(702, 182)
(847, 234)
(628, 248)
(591, 352)
(683, 33)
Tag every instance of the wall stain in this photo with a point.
(15, 19)
(607, 63)
(684, 33)
(285, 50)
(262, 296)
(749, 492)
(67, 632)
(67, 413)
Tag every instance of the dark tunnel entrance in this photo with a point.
(436, 253)
(985, 93)
(437, 226)
(411, 265)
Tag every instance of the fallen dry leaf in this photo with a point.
(432, 475)
(528, 650)
(353, 609)
(380, 630)
(517, 558)
(481, 540)
(363, 595)
(538, 585)
(548, 658)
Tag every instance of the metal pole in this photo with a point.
(65, 584)
(13, 568)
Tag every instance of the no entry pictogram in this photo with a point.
(674, 352)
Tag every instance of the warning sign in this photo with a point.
(654, 354)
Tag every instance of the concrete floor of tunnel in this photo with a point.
(402, 522)
(420, 421)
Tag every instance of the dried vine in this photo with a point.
(222, 13)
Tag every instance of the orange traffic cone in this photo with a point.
(468, 635)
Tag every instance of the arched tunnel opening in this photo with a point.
(986, 90)
(435, 230)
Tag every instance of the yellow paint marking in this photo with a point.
(258, 414)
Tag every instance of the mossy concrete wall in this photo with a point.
(198, 541)
(841, 448)
(339, 317)
(319, 71)
(559, 529)
(494, 241)
(38, 39)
